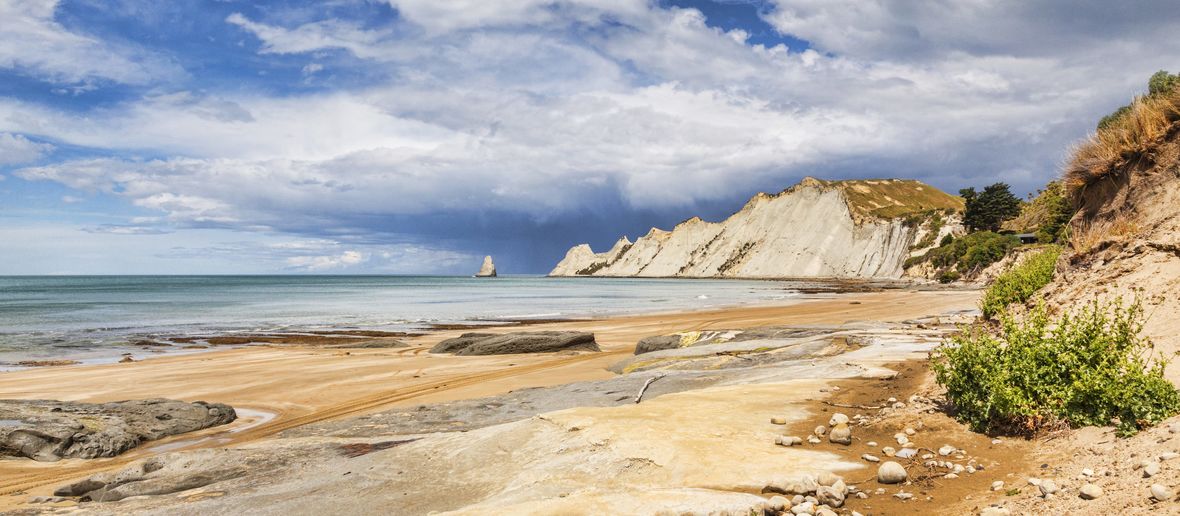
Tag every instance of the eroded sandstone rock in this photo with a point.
(517, 342)
(48, 430)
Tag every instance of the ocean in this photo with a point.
(92, 318)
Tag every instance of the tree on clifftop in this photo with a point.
(987, 210)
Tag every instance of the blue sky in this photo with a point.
(415, 136)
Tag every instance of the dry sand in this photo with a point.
(305, 385)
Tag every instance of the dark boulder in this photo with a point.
(517, 342)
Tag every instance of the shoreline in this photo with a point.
(304, 385)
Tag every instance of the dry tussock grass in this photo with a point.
(1123, 141)
(1093, 234)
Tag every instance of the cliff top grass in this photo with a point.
(891, 198)
(1126, 137)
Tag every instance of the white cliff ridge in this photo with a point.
(842, 229)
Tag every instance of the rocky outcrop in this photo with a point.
(48, 430)
(488, 270)
(843, 229)
(517, 342)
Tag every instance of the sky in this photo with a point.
(416, 136)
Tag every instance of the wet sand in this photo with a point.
(294, 386)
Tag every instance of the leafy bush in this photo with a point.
(949, 276)
(974, 251)
(1162, 82)
(1086, 368)
(1018, 284)
(946, 240)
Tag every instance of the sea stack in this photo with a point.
(488, 270)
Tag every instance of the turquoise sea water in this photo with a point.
(86, 316)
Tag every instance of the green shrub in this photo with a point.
(1018, 284)
(946, 240)
(1085, 368)
(949, 276)
(976, 250)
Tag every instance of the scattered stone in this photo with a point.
(1034, 481)
(946, 450)
(899, 405)
(997, 485)
(821, 430)
(907, 453)
(824, 511)
(1048, 487)
(1151, 469)
(803, 508)
(1168, 456)
(891, 400)
(861, 495)
(958, 468)
(1161, 493)
(870, 458)
(903, 496)
(888, 451)
(841, 434)
(813, 439)
(879, 491)
(970, 469)
(828, 479)
(891, 473)
(801, 486)
(788, 440)
(778, 503)
(950, 476)
(996, 441)
(871, 444)
(838, 419)
(995, 511)
(1087, 472)
(902, 439)
(778, 420)
(1090, 492)
(910, 431)
(830, 496)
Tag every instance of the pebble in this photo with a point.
(813, 439)
(888, 451)
(1034, 481)
(996, 441)
(891, 400)
(1048, 487)
(946, 450)
(903, 496)
(994, 511)
(970, 469)
(788, 440)
(1151, 469)
(838, 419)
(1087, 472)
(803, 508)
(950, 476)
(841, 434)
(1161, 493)
(871, 444)
(870, 458)
(910, 431)
(1090, 492)
(902, 439)
(899, 405)
(778, 420)
(796, 500)
(879, 491)
(778, 503)
(862, 495)
(1169, 455)
(997, 485)
(828, 479)
(959, 468)
(825, 512)
(821, 430)
(906, 453)
(891, 473)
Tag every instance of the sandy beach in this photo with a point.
(279, 388)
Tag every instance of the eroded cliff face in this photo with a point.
(814, 229)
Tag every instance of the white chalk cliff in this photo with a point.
(841, 229)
